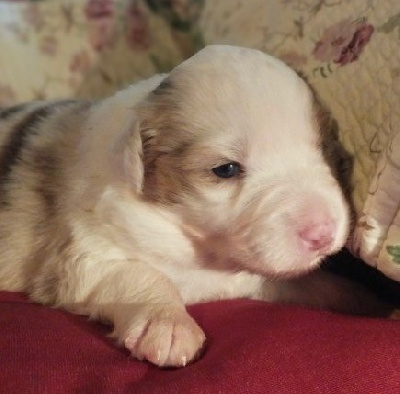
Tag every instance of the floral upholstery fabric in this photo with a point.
(88, 48)
(349, 51)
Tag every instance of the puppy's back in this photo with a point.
(37, 141)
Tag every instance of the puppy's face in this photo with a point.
(232, 142)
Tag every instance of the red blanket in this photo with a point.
(253, 347)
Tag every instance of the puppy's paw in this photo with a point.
(167, 338)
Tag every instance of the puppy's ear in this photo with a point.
(129, 153)
(339, 160)
(160, 122)
(139, 146)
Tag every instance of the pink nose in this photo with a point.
(318, 236)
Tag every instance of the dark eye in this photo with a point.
(228, 170)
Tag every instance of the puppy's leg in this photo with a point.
(324, 290)
(146, 310)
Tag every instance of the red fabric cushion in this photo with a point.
(253, 347)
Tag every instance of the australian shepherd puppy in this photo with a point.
(222, 179)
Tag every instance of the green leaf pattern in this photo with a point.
(394, 252)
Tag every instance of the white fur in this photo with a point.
(135, 261)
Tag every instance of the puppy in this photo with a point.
(204, 184)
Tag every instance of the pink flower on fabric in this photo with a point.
(33, 16)
(138, 33)
(344, 42)
(78, 65)
(98, 9)
(48, 45)
(80, 62)
(102, 27)
(102, 34)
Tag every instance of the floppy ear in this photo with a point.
(136, 149)
(128, 150)
(339, 160)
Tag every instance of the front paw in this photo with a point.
(167, 338)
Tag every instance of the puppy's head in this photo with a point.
(233, 142)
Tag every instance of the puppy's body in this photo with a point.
(113, 209)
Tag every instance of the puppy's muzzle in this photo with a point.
(318, 236)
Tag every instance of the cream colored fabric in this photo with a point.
(86, 48)
(350, 52)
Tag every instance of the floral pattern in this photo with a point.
(343, 42)
(99, 9)
(349, 51)
(394, 251)
(90, 48)
(138, 31)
